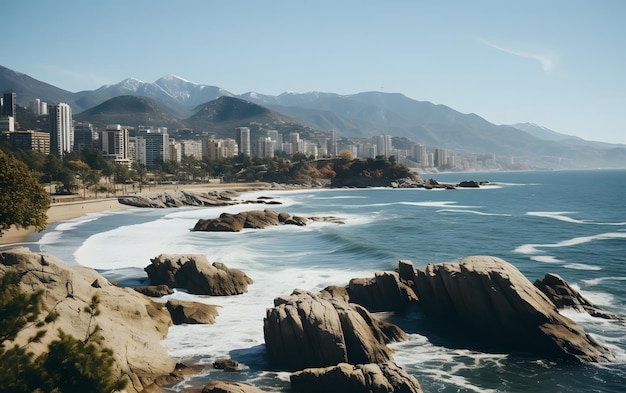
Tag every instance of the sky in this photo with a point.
(560, 64)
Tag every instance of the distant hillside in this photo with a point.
(220, 116)
(129, 111)
(28, 89)
(224, 114)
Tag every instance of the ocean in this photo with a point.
(572, 223)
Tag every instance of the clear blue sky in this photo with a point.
(558, 63)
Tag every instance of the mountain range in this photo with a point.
(175, 103)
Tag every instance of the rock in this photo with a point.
(230, 387)
(383, 292)
(226, 364)
(255, 219)
(306, 330)
(469, 184)
(132, 325)
(406, 272)
(194, 273)
(490, 300)
(191, 312)
(363, 378)
(155, 290)
(564, 296)
(176, 198)
(335, 292)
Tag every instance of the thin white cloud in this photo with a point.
(547, 60)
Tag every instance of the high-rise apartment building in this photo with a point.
(242, 137)
(152, 146)
(265, 147)
(441, 157)
(61, 130)
(219, 148)
(8, 104)
(294, 139)
(192, 149)
(383, 145)
(420, 155)
(175, 151)
(114, 142)
(39, 107)
(85, 137)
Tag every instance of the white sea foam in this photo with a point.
(419, 354)
(596, 281)
(534, 248)
(545, 259)
(601, 299)
(472, 212)
(564, 216)
(581, 266)
(439, 204)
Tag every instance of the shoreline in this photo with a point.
(63, 211)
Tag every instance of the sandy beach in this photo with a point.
(67, 208)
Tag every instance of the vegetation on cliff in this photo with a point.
(69, 365)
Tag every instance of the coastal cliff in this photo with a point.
(131, 325)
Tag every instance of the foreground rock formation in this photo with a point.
(131, 324)
(306, 330)
(255, 219)
(495, 303)
(195, 273)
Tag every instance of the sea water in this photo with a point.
(572, 223)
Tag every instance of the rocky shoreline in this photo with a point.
(216, 198)
(330, 338)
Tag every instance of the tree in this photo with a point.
(23, 201)
(82, 169)
(346, 155)
(52, 168)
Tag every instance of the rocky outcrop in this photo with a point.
(132, 325)
(230, 387)
(565, 297)
(383, 292)
(196, 274)
(363, 378)
(176, 198)
(490, 300)
(179, 198)
(255, 219)
(191, 312)
(305, 330)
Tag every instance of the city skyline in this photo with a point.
(557, 64)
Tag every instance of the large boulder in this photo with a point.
(191, 312)
(131, 324)
(363, 378)
(195, 273)
(305, 330)
(490, 300)
(383, 292)
(227, 222)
